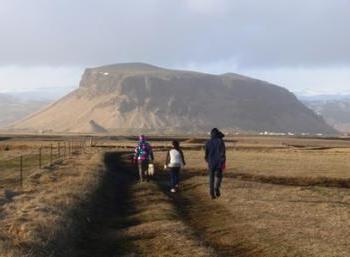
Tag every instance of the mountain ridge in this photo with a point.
(138, 96)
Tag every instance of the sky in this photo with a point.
(303, 45)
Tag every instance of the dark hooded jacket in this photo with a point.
(215, 153)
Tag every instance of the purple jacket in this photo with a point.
(143, 151)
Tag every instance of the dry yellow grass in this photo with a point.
(287, 162)
(45, 212)
(271, 220)
(12, 149)
(133, 219)
(262, 219)
(271, 157)
(161, 230)
(254, 217)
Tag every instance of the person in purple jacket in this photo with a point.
(143, 155)
(215, 156)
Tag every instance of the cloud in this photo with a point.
(209, 7)
(294, 43)
(16, 78)
(325, 80)
(270, 33)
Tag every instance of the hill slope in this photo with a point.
(138, 96)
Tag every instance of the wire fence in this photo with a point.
(14, 170)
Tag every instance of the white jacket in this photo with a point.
(175, 159)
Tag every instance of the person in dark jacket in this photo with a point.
(215, 156)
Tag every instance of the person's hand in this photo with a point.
(223, 166)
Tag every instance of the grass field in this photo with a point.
(29, 149)
(280, 197)
(279, 157)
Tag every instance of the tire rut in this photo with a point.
(211, 222)
(135, 219)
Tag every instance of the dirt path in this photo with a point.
(132, 219)
(212, 222)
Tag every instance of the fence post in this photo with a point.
(50, 154)
(65, 150)
(21, 170)
(59, 150)
(40, 161)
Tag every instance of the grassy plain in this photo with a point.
(29, 148)
(45, 216)
(281, 196)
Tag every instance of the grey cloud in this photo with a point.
(254, 33)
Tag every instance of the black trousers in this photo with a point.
(215, 179)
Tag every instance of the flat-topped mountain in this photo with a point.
(136, 96)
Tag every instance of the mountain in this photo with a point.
(13, 109)
(140, 97)
(335, 110)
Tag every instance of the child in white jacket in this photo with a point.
(175, 160)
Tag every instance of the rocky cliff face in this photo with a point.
(144, 97)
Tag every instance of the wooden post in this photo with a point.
(59, 150)
(21, 170)
(40, 161)
(50, 154)
(65, 150)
